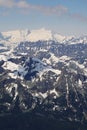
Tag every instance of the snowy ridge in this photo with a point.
(39, 67)
(33, 36)
(44, 76)
(17, 36)
(41, 34)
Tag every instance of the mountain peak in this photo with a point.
(42, 34)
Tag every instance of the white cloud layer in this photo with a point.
(23, 4)
(7, 3)
(24, 7)
(79, 17)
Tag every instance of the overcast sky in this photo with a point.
(67, 17)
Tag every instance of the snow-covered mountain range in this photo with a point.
(33, 36)
(16, 36)
(45, 73)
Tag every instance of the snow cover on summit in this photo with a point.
(17, 36)
(41, 34)
(32, 36)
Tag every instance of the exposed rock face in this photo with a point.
(45, 77)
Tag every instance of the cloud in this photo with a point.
(7, 3)
(56, 10)
(79, 17)
(24, 6)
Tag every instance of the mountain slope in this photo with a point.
(45, 78)
(33, 35)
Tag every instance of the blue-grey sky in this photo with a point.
(67, 17)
